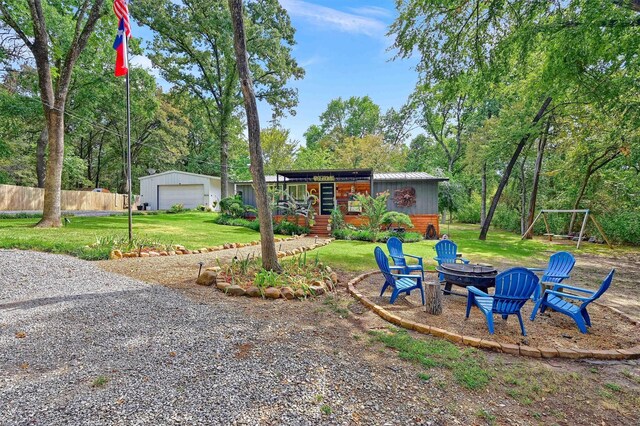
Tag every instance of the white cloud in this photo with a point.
(371, 11)
(335, 19)
(142, 61)
(315, 59)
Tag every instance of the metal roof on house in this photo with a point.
(179, 172)
(406, 176)
(393, 176)
(337, 173)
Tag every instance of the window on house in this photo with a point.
(297, 192)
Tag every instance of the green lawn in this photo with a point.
(500, 246)
(194, 230)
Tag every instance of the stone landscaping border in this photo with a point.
(522, 350)
(210, 278)
(180, 250)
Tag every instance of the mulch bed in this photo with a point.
(609, 331)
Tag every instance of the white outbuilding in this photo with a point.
(163, 190)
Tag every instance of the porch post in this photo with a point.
(371, 184)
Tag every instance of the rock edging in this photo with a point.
(317, 288)
(522, 350)
(179, 250)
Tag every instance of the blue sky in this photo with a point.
(343, 48)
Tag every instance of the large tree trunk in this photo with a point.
(41, 156)
(536, 178)
(269, 254)
(507, 173)
(483, 195)
(53, 184)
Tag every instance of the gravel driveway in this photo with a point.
(82, 346)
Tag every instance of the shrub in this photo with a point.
(470, 212)
(288, 228)
(177, 208)
(233, 206)
(396, 218)
(341, 234)
(622, 227)
(204, 208)
(337, 219)
(507, 219)
(284, 227)
(373, 209)
(225, 219)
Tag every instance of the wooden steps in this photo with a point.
(319, 228)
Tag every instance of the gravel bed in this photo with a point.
(100, 348)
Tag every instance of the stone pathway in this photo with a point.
(178, 269)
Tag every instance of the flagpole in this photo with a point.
(129, 150)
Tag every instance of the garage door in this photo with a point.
(190, 195)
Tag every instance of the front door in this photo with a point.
(327, 195)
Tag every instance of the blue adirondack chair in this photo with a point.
(447, 252)
(555, 299)
(400, 283)
(394, 245)
(513, 288)
(558, 269)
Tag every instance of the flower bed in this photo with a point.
(302, 276)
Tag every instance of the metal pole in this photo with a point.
(129, 153)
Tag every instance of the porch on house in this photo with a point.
(333, 189)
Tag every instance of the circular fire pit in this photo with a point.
(463, 275)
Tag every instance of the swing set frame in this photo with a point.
(587, 215)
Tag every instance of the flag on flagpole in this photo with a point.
(121, 10)
(120, 46)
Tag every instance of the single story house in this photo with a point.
(413, 193)
(163, 190)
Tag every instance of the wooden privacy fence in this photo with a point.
(27, 198)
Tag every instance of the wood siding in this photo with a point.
(420, 222)
(26, 198)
